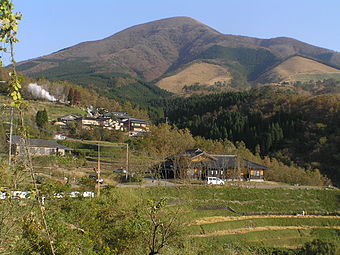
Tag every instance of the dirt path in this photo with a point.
(218, 219)
(256, 229)
(149, 182)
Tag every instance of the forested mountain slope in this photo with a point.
(283, 124)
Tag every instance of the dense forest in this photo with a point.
(282, 124)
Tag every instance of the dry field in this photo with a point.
(202, 73)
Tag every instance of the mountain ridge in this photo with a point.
(152, 50)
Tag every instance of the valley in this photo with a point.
(170, 137)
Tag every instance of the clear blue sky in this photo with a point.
(50, 25)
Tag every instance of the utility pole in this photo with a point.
(98, 172)
(10, 139)
(129, 125)
(127, 161)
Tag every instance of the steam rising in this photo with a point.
(39, 92)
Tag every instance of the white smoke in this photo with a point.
(38, 92)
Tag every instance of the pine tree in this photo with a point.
(41, 118)
(70, 96)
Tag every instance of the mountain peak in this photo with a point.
(155, 49)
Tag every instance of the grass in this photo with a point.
(254, 223)
(224, 227)
(54, 110)
(276, 238)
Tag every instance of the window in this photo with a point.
(257, 173)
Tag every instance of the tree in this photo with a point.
(163, 226)
(41, 118)
(70, 96)
(76, 96)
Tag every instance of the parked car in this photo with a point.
(3, 195)
(75, 194)
(120, 170)
(214, 181)
(101, 181)
(17, 194)
(88, 194)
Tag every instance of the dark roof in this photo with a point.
(87, 118)
(253, 165)
(224, 161)
(18, 140)
(219, 161)
(230, 161)
(68, 117)
(192, 153)
(133, 120)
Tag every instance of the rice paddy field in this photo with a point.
(220, 217)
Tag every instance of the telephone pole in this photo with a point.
(10, 139)
(98, 172)
(127, 161)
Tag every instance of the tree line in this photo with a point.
(282, 124)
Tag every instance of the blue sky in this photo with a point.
(50, 25)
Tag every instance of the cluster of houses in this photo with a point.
(197, 164)
(190, 164)
(119, 121)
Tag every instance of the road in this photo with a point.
(148, 182)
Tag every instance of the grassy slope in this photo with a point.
(54, 110)
(202, 73)
(299, 68)
(203, 202)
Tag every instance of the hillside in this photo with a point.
(202, 73)
(297, 67)
(158, 49)
(290, 127)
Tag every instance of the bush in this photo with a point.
(318, 247)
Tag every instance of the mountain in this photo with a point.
(160, 49)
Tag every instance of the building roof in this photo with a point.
(18, 140)
(192, 153)
(224, 161)
(87, 118)
(232, 161)
(134, 120)
(219, 161)
(68, 117)
(253, 165)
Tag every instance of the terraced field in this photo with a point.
(223, 216)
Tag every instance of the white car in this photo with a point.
(75, 194)
(88, 194)
(17, 194)
(3, 195)
(214, 181)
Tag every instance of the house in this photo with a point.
(232, 167)
(60, 124)
(59, 136)
(135, 127)
(67, 118)
(103, 122)
(197, 164)
(37, 147)
(88, 122)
